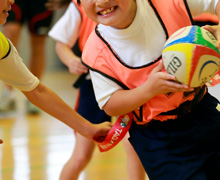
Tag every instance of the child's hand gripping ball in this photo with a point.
(190, 54)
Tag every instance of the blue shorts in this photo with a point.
(187, 148)
(87, 105)
(38, 17)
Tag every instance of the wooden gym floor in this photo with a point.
(36, 147)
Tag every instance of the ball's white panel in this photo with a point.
(175, 64)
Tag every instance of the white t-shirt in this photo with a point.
(13, 71)
(66, 29)
(137, 45)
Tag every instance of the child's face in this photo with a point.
(116, 13)
(5, 6)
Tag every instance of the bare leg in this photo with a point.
(37, 63)
(37, 59)
(12, 31)
(80, 158)
(134, 166)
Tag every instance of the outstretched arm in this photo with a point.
(51, 103)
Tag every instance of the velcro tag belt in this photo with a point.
(116, 133)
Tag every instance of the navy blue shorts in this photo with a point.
(186, 148)
(87, 105)
(34, 13)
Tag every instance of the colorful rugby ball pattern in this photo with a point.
(191, 55)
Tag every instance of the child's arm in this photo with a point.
(68, 57)
(125, 101)
(51, 103)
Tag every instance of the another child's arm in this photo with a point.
(72, 61)
(66, 32)
(124, 101)
(52, 104)
(40, 95)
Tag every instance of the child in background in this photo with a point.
(75, 27)
(175, 130)
(15, 73)
(38, 19)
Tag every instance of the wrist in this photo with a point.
(90, 131)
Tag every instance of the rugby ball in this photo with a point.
(190, 54)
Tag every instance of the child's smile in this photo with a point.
(107, 11)
(116, 13)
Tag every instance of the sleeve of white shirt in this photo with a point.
(14, 72)
(103, 88)
(66, 29)
(198, 7)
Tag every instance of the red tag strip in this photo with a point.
(116, 133)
